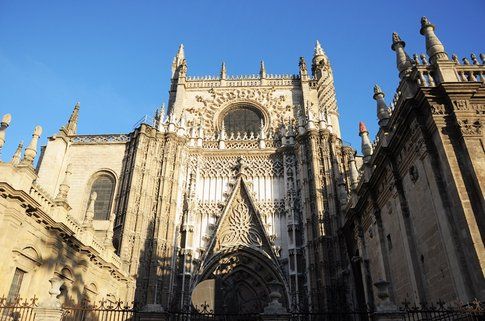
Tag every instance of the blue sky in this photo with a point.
(115, 56)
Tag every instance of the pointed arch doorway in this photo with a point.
(239, 282)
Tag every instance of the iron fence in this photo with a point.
(441, 311)
(17, 309)
(25, 310)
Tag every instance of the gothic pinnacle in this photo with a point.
(382, 110)
(367, 148)
(3, 128)
(434, 47)
(181, 52)
(31, 150)
(223, 71)
(262, 69)
(403, 61)
(71, 127)
(16, 156)
(318, 51)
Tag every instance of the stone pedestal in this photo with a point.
(47, 314)
(153, 316)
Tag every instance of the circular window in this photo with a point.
(244, 119)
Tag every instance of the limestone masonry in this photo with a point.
(243, 196)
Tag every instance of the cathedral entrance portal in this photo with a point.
(239, 282)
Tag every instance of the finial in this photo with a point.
(378, 91)
(482, 58)
(362, 128)
(31, 150)
(3, 128)
(262, 69)
(434, 47)
(16, 156)
(318, 51)
(382, 110)
(474, 59)
(71, 127)
(454, 57)
(65, 185)
(181, 52)
(367, 148)
(223, 71)
(403, 61)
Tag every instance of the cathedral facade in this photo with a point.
(242, 196)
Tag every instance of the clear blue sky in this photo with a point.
(115, 56)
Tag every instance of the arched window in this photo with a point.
(104, 186)
(244, 119)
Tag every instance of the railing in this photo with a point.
(105, 311)
(25, 310)
(17, 309)
(443, 312)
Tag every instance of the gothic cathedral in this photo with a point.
(242, 196)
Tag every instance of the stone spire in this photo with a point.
(403, 61)
(16, 156)
(366, 144)
(318, 51)
(434, 47)
(262, 69)
(3, 128)
(319, 60)
(178, 60)
(31, 150)
(354, 173)
(65, 185)
(382, 109)
(70, 128)
(223, 71)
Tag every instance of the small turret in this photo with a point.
(434, 47)
(3, 128)
(16, 156)
(404, 63)
(319, 60)
(262, 70)
(382, 109)
(366, 143)
(223, 71)
(31, 150)
(70, 128)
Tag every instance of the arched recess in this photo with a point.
(242, 281)
(244, 104)
(103, 182)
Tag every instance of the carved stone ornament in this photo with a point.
(263, 98)
(438, 109)
(239, 228)
(470, 127)
(460, 105)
